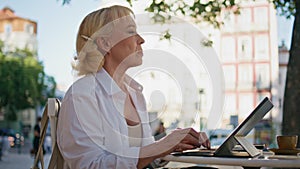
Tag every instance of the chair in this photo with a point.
(50, 113)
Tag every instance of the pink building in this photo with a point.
(249, 53)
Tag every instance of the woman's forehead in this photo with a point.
(125, 22)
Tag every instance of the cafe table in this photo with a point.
(264, 160)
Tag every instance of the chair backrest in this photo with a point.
(56, 160)
(53, 110)
(50, 113)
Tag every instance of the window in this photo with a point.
(244, 20)
(228, 49)
(280, 78)
(29, 28)
(262, 76)
(261, 17)
(245, 76)
(7, 29)
(230, 104)
(230, 76)
(245, 104)
(261, 47)
(245, 48)
(245, 16)
(228, 19)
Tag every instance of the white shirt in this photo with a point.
(92, 131)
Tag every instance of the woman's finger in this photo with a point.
(203, 140)
(193, 132)
(182, 147)
(189, 139)
(190, 136)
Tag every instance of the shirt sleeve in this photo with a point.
(80, 136)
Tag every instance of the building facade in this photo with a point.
(249, 54)
(17, 32)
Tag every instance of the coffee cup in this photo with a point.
(287, 142)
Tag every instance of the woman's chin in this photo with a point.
(138, 63)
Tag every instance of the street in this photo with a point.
(20, 158)
(14, 160)
(19, 161)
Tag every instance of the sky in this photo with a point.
(58, 25)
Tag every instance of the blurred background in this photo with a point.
(37, 44)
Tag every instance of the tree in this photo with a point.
(210, 11)
(291, 108)
(23, 82)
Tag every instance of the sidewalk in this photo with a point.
(19, 161)
(25, 161)
(20, 158)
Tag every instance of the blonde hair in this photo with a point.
(89, 58)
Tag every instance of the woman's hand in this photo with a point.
(184, 139)
(203, 140)
(177, 140)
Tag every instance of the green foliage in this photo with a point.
(203, 10)
(208, 11)
(130, 2)
(166, 35)
(64, 2)
(285, 7)
(199, 11)
(23, 82)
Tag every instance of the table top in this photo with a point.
(266, 160)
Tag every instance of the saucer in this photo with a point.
(284, 151)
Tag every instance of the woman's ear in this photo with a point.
(103, 44)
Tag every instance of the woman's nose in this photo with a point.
(140, 39)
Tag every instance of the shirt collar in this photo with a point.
(111, 87)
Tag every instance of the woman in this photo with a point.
(103, 120)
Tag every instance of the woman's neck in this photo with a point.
(117, 74)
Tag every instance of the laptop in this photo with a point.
(237, 137)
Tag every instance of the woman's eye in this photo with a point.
(132, 32)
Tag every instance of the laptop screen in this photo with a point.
(237, 136)
(245, 127)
